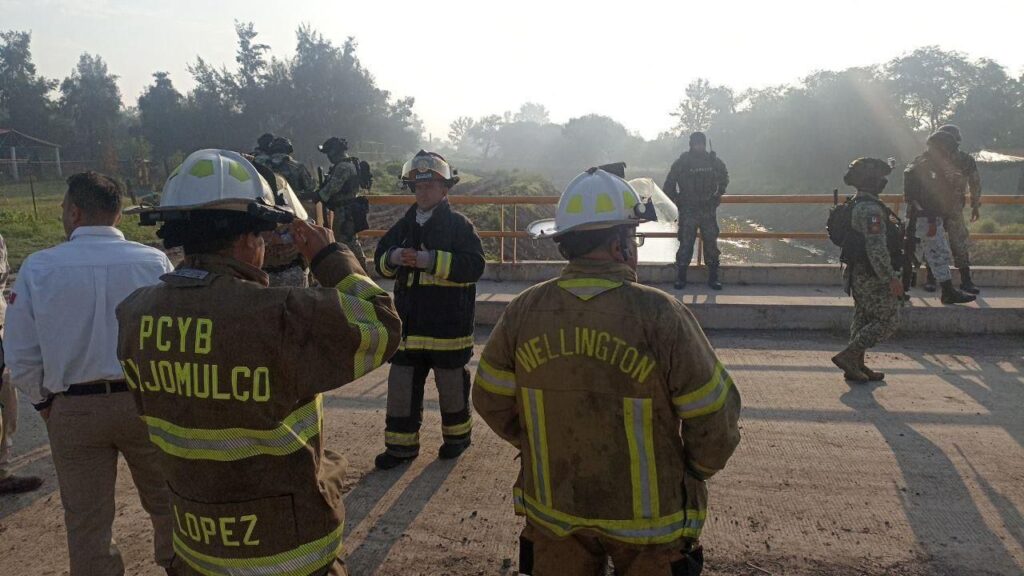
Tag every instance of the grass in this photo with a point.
(27, 230)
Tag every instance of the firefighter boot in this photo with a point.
(849, 362)
(449, 451)
(871, 374)
(951, 295)
(385, 461)
(966, 284)
(713, 278)
(929, 283)
(680, 278)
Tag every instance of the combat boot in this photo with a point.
(713, 278)
(385, 461)
(871, 374)
(451, 451)
(951, 295)
(929, 283)
(849, 362)
(966, 284)
(680, 278)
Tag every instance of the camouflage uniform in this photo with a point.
(969, 183)
(933, 184)
(876, 310)
(696, 183)
(298, 178)
(340, 187)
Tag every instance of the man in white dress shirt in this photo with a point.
(61, 347)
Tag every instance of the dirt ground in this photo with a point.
(922, 475)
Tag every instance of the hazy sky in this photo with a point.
(629, 60)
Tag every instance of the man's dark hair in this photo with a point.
(210, 231)
(95, 194)
(577, 244)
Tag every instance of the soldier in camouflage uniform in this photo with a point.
(872, 275)
(696, 183)
(261, 153)
(297, 175)
(340, 188)
(969, 180)
(930, 184)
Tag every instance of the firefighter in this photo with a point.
(228, 374)
(435, 256)
(588, 376)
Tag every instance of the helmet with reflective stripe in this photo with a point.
(216, 180)
(594, 200)
(429, 166)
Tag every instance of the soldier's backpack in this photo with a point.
(840, 222)
(841, 232)
(365, 176)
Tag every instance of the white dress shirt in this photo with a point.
(61, 328)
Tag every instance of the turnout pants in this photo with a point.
(692, 219)
(580, 554)
(406, 382)
(86, 435)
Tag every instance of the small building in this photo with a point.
(1002, 171)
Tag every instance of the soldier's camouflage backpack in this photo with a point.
(841, 232)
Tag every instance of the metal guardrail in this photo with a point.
(894, 200)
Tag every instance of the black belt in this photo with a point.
(101, 387)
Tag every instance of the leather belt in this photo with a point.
(100, 387)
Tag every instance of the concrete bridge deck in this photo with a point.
(921, 475)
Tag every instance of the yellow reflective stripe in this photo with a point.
(495, 381)
(355, 293)
(385, 265)
(536, 430)
(301, 561)
(684, 523)
(436, 344)
(638, 417)
(430, 280)
(402, 438)
(587, 288)
(458, 429)
(230, 444)
(706, 399)
(442, 264)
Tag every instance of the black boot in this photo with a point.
(929, 283)
(680, 278)
(951, 295)
(450, 451)
(713, 278)
(965, 281)
(385, 461)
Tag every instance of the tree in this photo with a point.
(91, 101)
(161, 116)
(703, 102)
(485, 133)
(532, 112)
(460, 129)
(991, 112)
(24, 96)
(930, 83)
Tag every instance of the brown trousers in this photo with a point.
(86, 435)
(587, 555)
(8, 421)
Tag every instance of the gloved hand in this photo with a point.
(975, 213)
(395, 257)
(412, 258)
(425, 259)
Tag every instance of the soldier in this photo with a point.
(261, 153)
(297, 175)
(613, 396)
(696, 183)
(282, 260)
(970, 180)
(228, 374)
(930, 186)
(872, 274)
(436, 257)
(338, 194)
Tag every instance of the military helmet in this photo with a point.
(333, 144)
(281, 145)
(943, 139)
(429, 166)
(264, 141)
(595, 200)
(952, 129)
(867, 174)
(698, 138)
